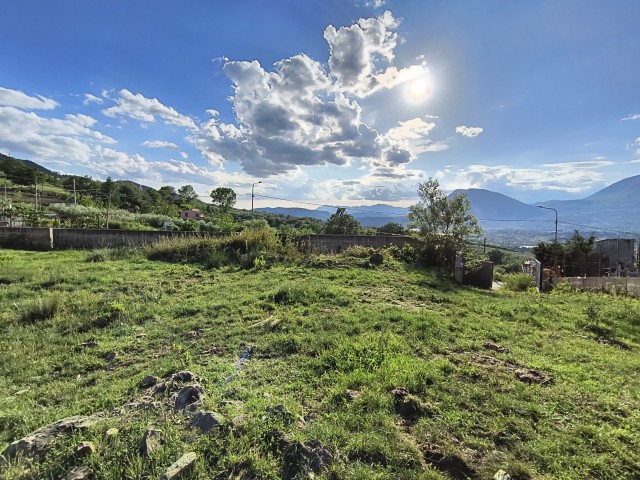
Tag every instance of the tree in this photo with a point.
(187, 195)
(224, 198)
(393, 228)
(342, 223)
(168, 193)
(443, 222)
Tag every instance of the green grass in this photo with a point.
(320, 326)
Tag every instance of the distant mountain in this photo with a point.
(488, 205)
(296, 212)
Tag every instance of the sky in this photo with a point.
(334, 102)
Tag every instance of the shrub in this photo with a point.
(518, 282)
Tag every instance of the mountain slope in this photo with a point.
(488, 205)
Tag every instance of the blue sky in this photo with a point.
(332, 102)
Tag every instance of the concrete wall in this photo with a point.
(26, 238)
(624, 285)
(65, 238)
(482, 277)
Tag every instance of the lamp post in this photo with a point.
(549, 208)
(252, 195)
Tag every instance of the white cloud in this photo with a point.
(19, 99)
(635, 116)
(48, 139)
(469, 131)
(356, 51)
(572, 177)
(184, 155)
(298, 114)
(160, 144)
(139, 107)
(88, 99)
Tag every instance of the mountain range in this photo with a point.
(612, 211)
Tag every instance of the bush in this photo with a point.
(518, 282)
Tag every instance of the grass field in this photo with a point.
(357, 373)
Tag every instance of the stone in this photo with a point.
(185, 376)
(37, 442)
(528, 375)
(112, 432)
(501, 475)
(302, 459)
(191, 395)
(495, 346)
(151, 441)
(351, 395)
(207, 421)
(240, 420)
(149, 381)
(181, 467)
(376, 258)
(79, 473)
(84, 449)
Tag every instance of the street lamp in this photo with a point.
(549, 208)
(252, 195)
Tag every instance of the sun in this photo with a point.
(419, 88)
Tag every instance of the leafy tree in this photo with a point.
(224, 198)
(168, 193)
(442, 222)
(342, 223)
(549, 253)
(393, 228)
(187, 195)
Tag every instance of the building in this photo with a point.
(192, 214)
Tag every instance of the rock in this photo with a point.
(351, 395)
(376, 258)
(78, 473)
(502, 475)
(189, 398)
(111, 356)
(112, 432)
(37, 442)
(301, 459)
(527, 375)
(84, 449)
(495, 346)
(149, 381)
(239, 421)
(185, 376)
(366, 264)
(206, 421)
(151, 441)
(181, 467)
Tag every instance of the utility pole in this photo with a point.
(108, 207)
(75, 200)
(252, 195)
(549, 208)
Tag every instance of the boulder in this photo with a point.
(151, 441)
(376, 258)
(207, 421)
(149, 381)
(37, 442)
(181, 467)
(189, 398)
(79, 473)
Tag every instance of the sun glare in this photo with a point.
(419, 88)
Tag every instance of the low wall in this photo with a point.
(81, 238)
(26, 238)
(622, 285)
(65, 238)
